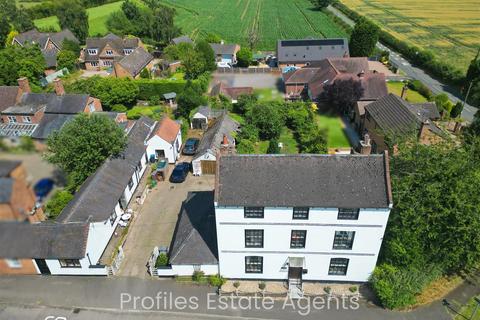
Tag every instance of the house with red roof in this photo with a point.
(165, 140)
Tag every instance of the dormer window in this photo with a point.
(127, 51)
(109, 52)
(92, 52)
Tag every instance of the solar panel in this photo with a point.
(313, 42)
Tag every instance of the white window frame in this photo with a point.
(70, 263)
(94, 63)
(14, 263)
(107, 63)
(91, 107)
(27, 119)
(127, 51)
(109, 52)
(12, 119)
(92, 52)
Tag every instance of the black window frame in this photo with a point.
(302, 210)
(348, 213)
(254, 212)
(338, 266)
(293, 244)
(113, 217)
(247, 270)
(69, 263)
(343, 240)
(260, 231)
(130, 184)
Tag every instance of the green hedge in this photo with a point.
(149, 87)
(423, 58)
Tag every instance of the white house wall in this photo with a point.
(321, 226)
(196, 163)
(171, 153)
(187, 270)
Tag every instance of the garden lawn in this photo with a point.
(268, 94)
(97, 18)
(154, 112)
(335, 134)
(412, 96)
(467, 311)
(286, 137)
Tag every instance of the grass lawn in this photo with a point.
(177, 76)
(97, 18)
(26, 4)
(412, 96)
(268, 94)
(288, 140)
(467, 311)
(154, 112)
(334, 126)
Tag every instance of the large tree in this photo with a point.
(472, 82)
(67, 59)
(344, 93)
(267, 118)
(322, 4)
(189, 99)
(83, 144)
(16, 62)
(4, 30)
(364, 38)
(207, 55)
(244, 57)
(73, 15)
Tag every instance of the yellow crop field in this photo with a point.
(449, 28)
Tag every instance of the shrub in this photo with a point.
(418, 86)
(245, 147)
(56, 204)
(273, 147)
(353, 289)
(119, 108)
(145, 74)
(26, 144)
(151, 87)
(262, 285)
(198, 276)
(327, 290)
(216, 280)
(236, 284)
(162, 260)
(154, 101)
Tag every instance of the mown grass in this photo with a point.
(336, 137)
(412, 96)
(269, 94)
(286, 138)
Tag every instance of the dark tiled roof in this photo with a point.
(209, 112)
(213, 137)
(427, 110)
(6, 187)
(231, 92)
(393, 115)
(136, 61)
(8, 96)
(325, 181)
(353, 65)
(224, 48)
(7, 166)
(374, 86)
(195, 239)
(42, 37)
(43, 240)
(182, 39)
(51, 122)
(50, 58)
(309, 50)
(115, 42)
(101, 192)
(66, 104)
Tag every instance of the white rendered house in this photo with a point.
(165, 140)
(301, 217)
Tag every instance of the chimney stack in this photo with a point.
(225, 141)
(24, 87)
(404, 92)
(366, 145)
(59, 89)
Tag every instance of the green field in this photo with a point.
(449, 28)
(97, 18)
(412, 96)
(270, 20)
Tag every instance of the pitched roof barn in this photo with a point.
(311, 50)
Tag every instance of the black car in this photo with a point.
(180, 172)
(191, 146)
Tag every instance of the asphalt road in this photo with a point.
(414, 72)
(35, 297)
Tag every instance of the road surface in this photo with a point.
(413, 72)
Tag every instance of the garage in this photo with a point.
(199, 123)
(208, 166)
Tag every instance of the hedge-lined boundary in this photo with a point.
(420, 57)
(151, 87)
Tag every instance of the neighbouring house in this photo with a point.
(303, 52)
(310, 82)
(50, 43)
(27, 249)
(103, 52)
(171, 66)
(301, 218)
(17, 199)
(194, 243)
(182, 39)
(225, 53)
(165, 140)
(204, 116)
(132, 65)
(120, 118)
(39, 114)
(232, 93)
(219, 138)
(8, 97)
(75, 244)
(392, 118)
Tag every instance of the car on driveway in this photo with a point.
(43, 187)
(191, 146)
(180, 172)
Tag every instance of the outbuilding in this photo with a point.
(165, 140)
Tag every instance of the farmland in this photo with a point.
(269, 20)
(449, 28)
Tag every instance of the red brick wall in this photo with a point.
(27, 267)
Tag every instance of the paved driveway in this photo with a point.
(155, 222)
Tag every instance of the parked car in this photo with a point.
(43, 187)
(223, 64)
(180, 172)
(191, 146)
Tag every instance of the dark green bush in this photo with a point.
(119, 108)
(56, 204)
(152, 87)
(418, 86)
(198, 276)
(162, 260)
(216, 280)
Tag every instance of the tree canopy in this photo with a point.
(472, 82)
(322, 4)
(73, 15)
(83, 144)
(364, 38)
(16, 62)
(244, 57)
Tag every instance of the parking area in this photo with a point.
(155, 221)
(255, 80)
